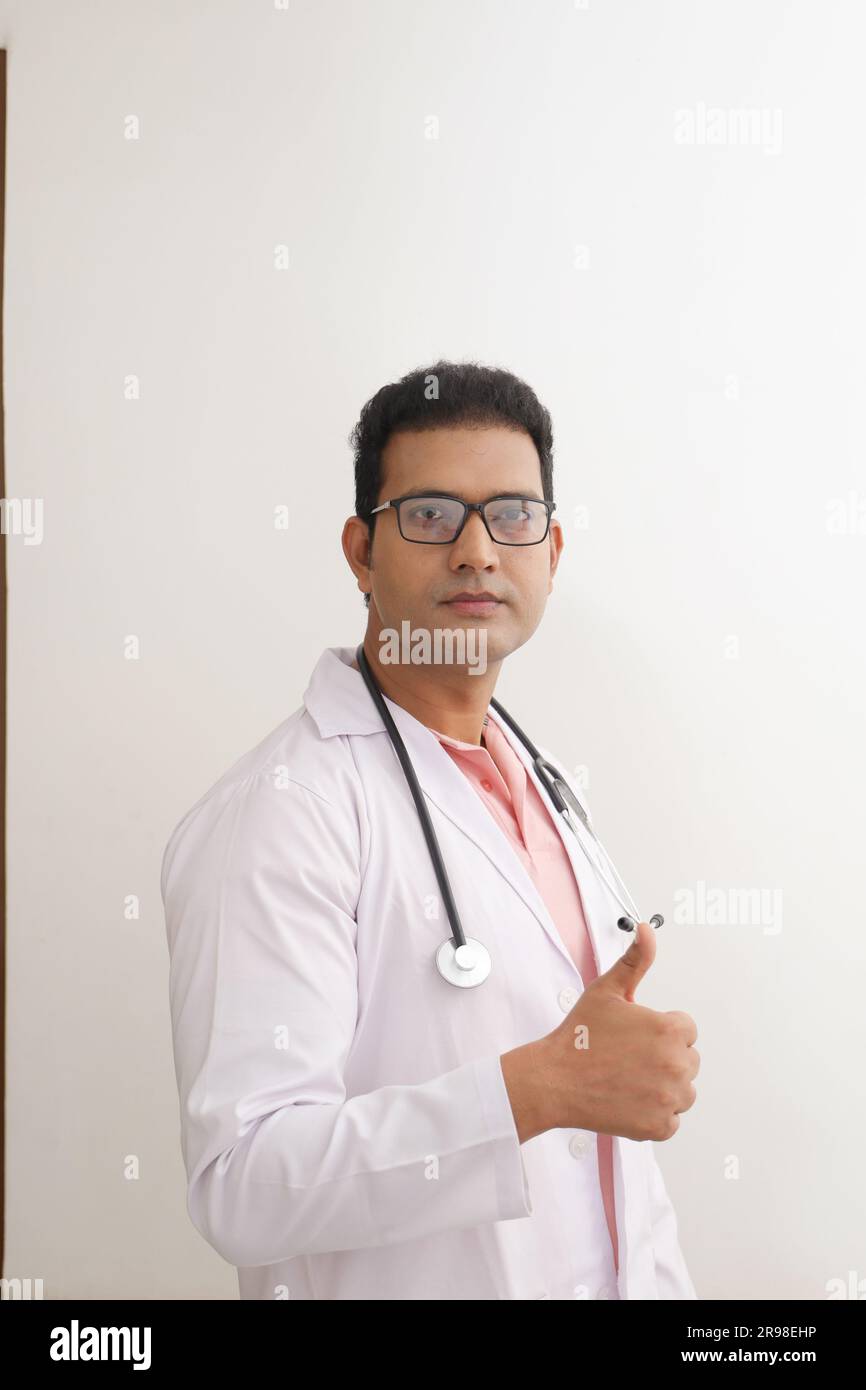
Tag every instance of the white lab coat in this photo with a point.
(345, 1124)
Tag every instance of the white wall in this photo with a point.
(692, 314)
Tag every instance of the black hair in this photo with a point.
(441, 396)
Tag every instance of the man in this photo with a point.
(353, 1126)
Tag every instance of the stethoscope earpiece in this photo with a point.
(629, 924)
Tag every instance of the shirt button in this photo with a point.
(604, 1291)
(579, 1145)
(568, 997)
(488, 786)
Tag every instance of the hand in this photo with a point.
(612, 1066)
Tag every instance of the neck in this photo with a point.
(446, 698)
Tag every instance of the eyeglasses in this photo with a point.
(437, 518)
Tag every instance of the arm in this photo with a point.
(260, 890)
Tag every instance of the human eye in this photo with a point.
(427, 511)
(511, 510)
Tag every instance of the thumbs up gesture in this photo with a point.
(611, 1066)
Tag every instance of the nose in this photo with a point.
(474, 547)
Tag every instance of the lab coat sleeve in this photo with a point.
(672, 1275)
(260, 886)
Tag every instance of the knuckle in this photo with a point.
(682, 1024)
(664, 1129)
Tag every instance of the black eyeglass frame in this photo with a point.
(468, 507)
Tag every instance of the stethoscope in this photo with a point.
(462, 960)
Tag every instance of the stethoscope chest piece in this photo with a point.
(466, 966)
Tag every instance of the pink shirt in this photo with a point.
(500, 779)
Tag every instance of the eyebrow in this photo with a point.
(527, 494)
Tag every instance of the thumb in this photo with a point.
(625, 975)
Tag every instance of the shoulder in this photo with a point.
(291, 781)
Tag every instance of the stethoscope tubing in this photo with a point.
(458, 935)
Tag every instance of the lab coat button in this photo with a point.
(579, 1145)
(568, 997)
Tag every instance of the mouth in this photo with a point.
(474, 605)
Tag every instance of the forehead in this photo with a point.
(473, 463)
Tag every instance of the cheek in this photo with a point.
(529, 576)
(407, 581)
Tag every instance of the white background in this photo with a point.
(693, 317)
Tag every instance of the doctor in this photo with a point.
(353, 1126)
